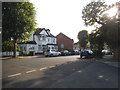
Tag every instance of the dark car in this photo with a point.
(86, 53)
(65, 52)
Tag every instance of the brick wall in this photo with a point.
(64, 42)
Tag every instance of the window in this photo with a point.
(43, 37)
(48, 40)
(49, 48)
(25, 48)
(53, 40)
(62, 45)
(52, 47)
(40, 38)
(40, 48)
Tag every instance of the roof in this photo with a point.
(38, 30)
(51, 35)
(27, 42)
(64, 35)
(76, 43)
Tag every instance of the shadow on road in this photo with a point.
(51, 76)
(56, 75)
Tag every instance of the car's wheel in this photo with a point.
(80, 56)
(46, 55)
(51, 55)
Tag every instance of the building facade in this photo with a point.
(76, 47)
(64, 42)
(42, 39)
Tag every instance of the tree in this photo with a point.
(97, 42)
(93, 13)
(82, 37)
(18, 21)
(112, 36)
(108, 32)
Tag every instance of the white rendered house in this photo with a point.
(40, 41)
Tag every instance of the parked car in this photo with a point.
(77, 52)
(65, 52)
(74, 52)
(86, 53)
(106, 52)
(52, 53)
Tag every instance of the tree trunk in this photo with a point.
(15, 49)
(116, 54)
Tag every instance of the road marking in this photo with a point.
(14, 75)
(43, 68)
(101, 76)
(80, 71)
(51, 66)
(30, 71)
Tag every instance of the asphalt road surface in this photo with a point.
(62, 72)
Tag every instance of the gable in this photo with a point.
(63, 36)
(43, 32)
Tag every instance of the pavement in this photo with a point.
(108, 59)
(21, 57)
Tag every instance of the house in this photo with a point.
(27, 46)
(64, 42)
(40, 41)
(76, 47)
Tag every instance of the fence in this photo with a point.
(9, 53)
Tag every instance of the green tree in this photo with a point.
(97, 42)
(83, 37)
(18, 21)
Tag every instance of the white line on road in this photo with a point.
(30, 71)
(43, 68)
(14, 75)
(51, 66)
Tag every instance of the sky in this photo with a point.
(62, 16)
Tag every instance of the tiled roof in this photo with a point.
(27, 42)
(51, 35)
(38, 30)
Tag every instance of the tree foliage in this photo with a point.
(93, 13)
(18, 21)
(83, 37)
(112, 33)
(96, 39)
(108, 32)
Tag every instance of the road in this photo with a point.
(27, 64)
(52, 72)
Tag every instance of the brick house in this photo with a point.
(64, 42)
